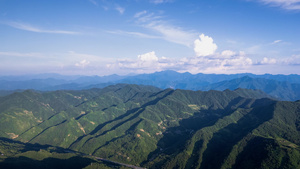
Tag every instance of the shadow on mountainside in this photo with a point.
(175, 139)
(126, 117)
(223, 141)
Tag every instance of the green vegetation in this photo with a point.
(148, 127)
(15, 155)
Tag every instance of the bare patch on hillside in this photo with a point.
(81, 128)
(12, 135)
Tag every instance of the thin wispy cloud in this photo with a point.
(138, 14)
(276, 41)
(28, 27)
(18, 54)
(160, 1)
(285, 4)
(93, 2)
(120, 9)
(135, 34)
(165, 30)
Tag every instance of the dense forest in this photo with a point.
(148, 127)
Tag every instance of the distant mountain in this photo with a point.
(283, 87)
(8, 92)
(278, 89)
(55, 82)
(154, 128)
(39, 76)
(172, 79)
(37, 84)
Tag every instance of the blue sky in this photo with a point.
(102, 37)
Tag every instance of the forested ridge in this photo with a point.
(154, 128)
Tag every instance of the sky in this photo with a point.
(103, 37)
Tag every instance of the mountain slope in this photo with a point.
(15, 155)
(153, 128)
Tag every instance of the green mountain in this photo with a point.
(15, 155)
(153, 128)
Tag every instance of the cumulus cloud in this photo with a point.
(82, 63)
(148, 57)
(268, 61)
(204, 46)
(205, 61)
(228, 53)
(144, 63)
(226, 62)
(293, 60)
(238, 60)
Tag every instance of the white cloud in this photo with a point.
(226, 62)
(121, 10)
(138, 14)
(204, 46)
(211, 62)
(276, 41)
(293, 60)
(268, 61)
(239, 60)
(227, 53)
(159, 1)
(229, 62)
(144, 63)
(148, 57)
(28, 27)
(285, 4)
(173, 34)
(82, 63)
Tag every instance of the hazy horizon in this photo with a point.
(131, 74)
(101, 37)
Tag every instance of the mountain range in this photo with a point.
(281, 87)
(152, 127)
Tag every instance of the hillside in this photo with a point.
(153, 128)
(15, 155)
